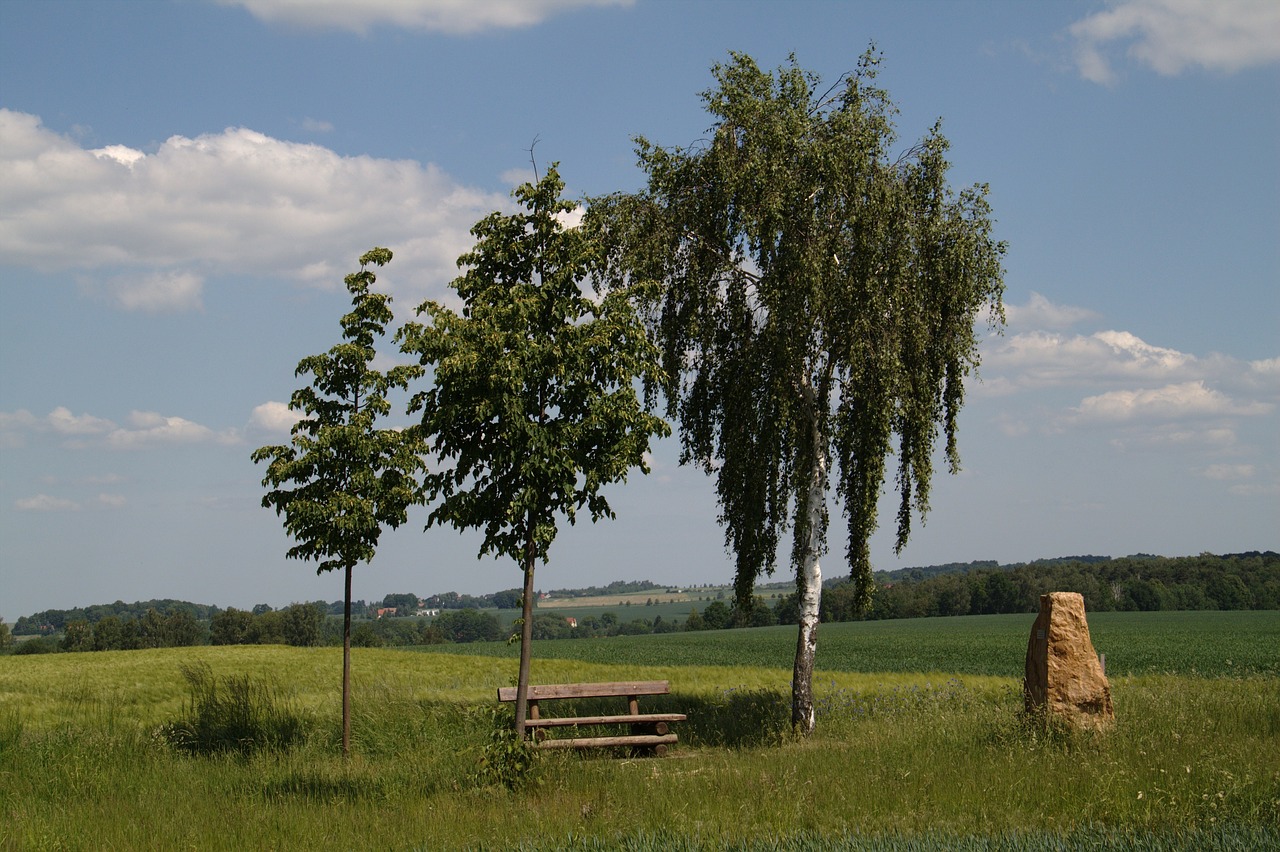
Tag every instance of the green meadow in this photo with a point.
(920, 744)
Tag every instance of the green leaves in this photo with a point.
(341, 479)
(816, 304)
(533, 404)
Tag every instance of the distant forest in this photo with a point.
(1142, 583)
(1135, 583)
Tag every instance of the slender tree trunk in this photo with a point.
(809, 571)
(809, 587)
(346, 667)
(526, 636)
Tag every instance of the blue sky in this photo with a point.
(183, 186)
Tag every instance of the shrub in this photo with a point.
(39, 645)
(505, 759)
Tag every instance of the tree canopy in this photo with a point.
(815, 315)
(532, 408)
(341, 479)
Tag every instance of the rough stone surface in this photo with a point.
(1064, 679)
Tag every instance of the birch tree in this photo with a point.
(816, 314)
(341, 479)
(533, 408)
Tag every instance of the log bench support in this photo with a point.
(648, 731)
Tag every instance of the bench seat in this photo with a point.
(628, 719)
(649, 731)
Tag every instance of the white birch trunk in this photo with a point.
(809, 587)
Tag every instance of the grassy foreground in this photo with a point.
(900, 761)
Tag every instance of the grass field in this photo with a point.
(931, 758)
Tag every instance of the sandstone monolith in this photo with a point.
(1064, 679)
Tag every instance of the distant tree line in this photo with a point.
(507, 599)
(617, 587)
(177, 628)
(510, 598)
(1133, 583)
(56, 620)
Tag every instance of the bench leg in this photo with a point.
(643, 728)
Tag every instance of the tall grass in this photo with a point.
(236, 713)
(899, 762)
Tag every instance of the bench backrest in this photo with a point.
(588, 690)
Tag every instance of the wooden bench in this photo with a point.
(650, 731)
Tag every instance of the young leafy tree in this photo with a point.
(816, 313)
(341, 478)
(533, 409)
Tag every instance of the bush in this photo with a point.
(236, 714)
(39, 645)
(469, 625)
(505, 759)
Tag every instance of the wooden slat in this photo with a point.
(637, 719)
(625, 688)
(605, 742)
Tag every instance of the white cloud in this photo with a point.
(274, 417)
(145, 428)
(45, 503)
(1256, 489)
(65, 423)
(1039, 312)
(121, 154)
(236, 202)
(1172, 35)
(1223, 472)
(150, 429)
(1045, 359)
(162, 291)
(1267, 371)
(1177, 437)
(454, 17)
(315, 125)
(112, 501)
(1171, 402)
(14, 426)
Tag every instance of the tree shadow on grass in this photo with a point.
(733, 718)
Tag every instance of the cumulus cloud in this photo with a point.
(1141, 395)
(274, 416)
(1224, 472)
(162, 291)
(1040, 313)
(45, 503)
(147, 428)
(143, 429)
(453, 17)
(1172, 35)
(62, 421)
(236, 202)
(1171, 402)
(1045, 359)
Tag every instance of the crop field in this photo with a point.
(611, 602)
(932, 757)
(683, 600)
(1192, 643)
